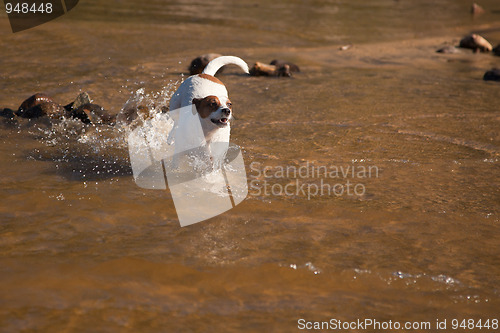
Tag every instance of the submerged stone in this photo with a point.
(496, 50)
(261, 69)
(93, 114)
(492, 75)
(449, 49)
(7, 113)
(282, 63)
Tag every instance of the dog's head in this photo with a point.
(214, 110)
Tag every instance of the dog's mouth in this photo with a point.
(221, 122)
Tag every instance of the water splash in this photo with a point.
(91, 151)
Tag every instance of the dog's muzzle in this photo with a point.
(224, 120)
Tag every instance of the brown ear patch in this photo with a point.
(205, 106)
(210, 78)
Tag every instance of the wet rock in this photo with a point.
(261, 69)
(82, 99)
(476, 43)
(49, 109)
(476, 9)
(33, 101)
(492, 75)
(40, 105)
(496, 50)
(92, 114)
(199, 63)
(7, 113)
(449, 49)
(132, 114)
(345, 47)
(283, 70)
(282, 63)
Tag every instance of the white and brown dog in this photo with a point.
(213, 107)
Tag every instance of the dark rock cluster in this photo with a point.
(276, 67)
(40, 105)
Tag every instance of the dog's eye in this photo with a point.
(229, 105)
(213, 104)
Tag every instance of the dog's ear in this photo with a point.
(196, 104)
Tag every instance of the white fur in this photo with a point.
(196, 86)
(214, 65)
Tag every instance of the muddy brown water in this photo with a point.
(83, 249)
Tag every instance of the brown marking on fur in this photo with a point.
(210, 78)
(205, 106)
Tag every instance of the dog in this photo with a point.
(212, 107)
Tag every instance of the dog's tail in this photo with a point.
(214, 65)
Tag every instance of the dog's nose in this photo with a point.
(226, 111)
